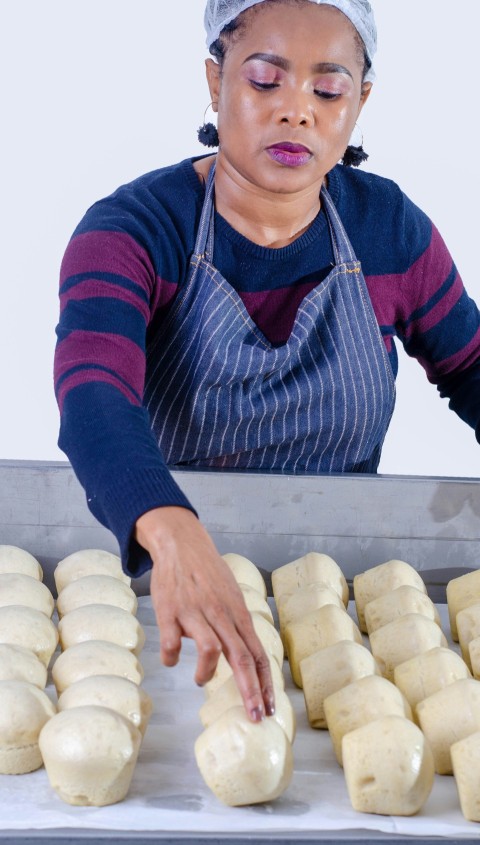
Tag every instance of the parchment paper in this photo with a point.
(168, 793)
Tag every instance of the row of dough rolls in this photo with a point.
(387, 764)
(240, 761)
(90, 747)
(28, 639)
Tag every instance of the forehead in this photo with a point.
(320, 32)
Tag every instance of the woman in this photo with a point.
(268, 344)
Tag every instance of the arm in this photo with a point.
(109, 289)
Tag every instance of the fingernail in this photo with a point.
(270, 709)
(257, 714)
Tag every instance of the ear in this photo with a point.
(366, 89)
(214, 81)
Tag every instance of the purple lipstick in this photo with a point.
(289, 155)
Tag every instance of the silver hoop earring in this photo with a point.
(208, 132)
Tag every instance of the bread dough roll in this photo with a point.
(96, 589)
(474, 655)
(24, 711)
(269, 637)
(359, 703)
(256, 603)
(228, 695)
(448, 715)
(399, 602)
(20, 625)
(119, 694)
(468, 629)
(311, 568)
(245, 572)
(16, 588)
(224, 671)
(20, 664)
(328, 670)
(293, 607)
(13, 559)
(88, 562)
(388, 767)
(466, 768)
(95, 657)
(101, 622)
(462, 592)
(90, 755)
(319, 629)
(402, 639)
(244, 762)
(426, 673)
(382, 579)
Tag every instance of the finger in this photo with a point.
(170, 642)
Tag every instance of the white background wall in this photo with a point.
(96, 92)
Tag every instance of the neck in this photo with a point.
(264, 217)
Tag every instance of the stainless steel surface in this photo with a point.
(360, 521)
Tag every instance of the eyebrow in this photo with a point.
(284, 64)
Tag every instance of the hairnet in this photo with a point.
(219, 13)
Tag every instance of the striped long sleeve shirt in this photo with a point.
(128, 259)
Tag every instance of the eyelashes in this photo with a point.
(270, 86)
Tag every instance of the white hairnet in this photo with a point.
(219, 13)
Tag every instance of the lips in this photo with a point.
(289, 155)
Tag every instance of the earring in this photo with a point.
(208, 133)
(354, 156)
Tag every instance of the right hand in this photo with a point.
(195, 595)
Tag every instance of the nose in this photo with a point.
(296, 109)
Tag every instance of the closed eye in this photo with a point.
(263, 86)
(327, 95)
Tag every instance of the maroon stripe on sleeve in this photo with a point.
(88, 376)
(94, 288)
(92, 349)
(108, 252)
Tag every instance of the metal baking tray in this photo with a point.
(271, 518)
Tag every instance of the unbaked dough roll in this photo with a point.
(224, 671)
(311, 568)
(96, 589)
(466, 768)
(94, 658)
(462, 592)
(246, 572)
(88, 562)
(90, 754)
(20, 625)
(474, 655)
(468, 629)
(13, 559)
(101, 622)
(426, 673)
(119, 694)
(269, 637)
(256, 603)
(383, 579)
(21, 664)
(448, 715)
(361, 702)
(328, 670)
(388, 767)
(399, 602)
(244, 762)
(319, 629)
(402, 639)
(293, 607)
(16, 588)
(23, 712)
(228, 695)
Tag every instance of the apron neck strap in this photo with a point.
(342, 248)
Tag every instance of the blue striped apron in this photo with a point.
(220, 395)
